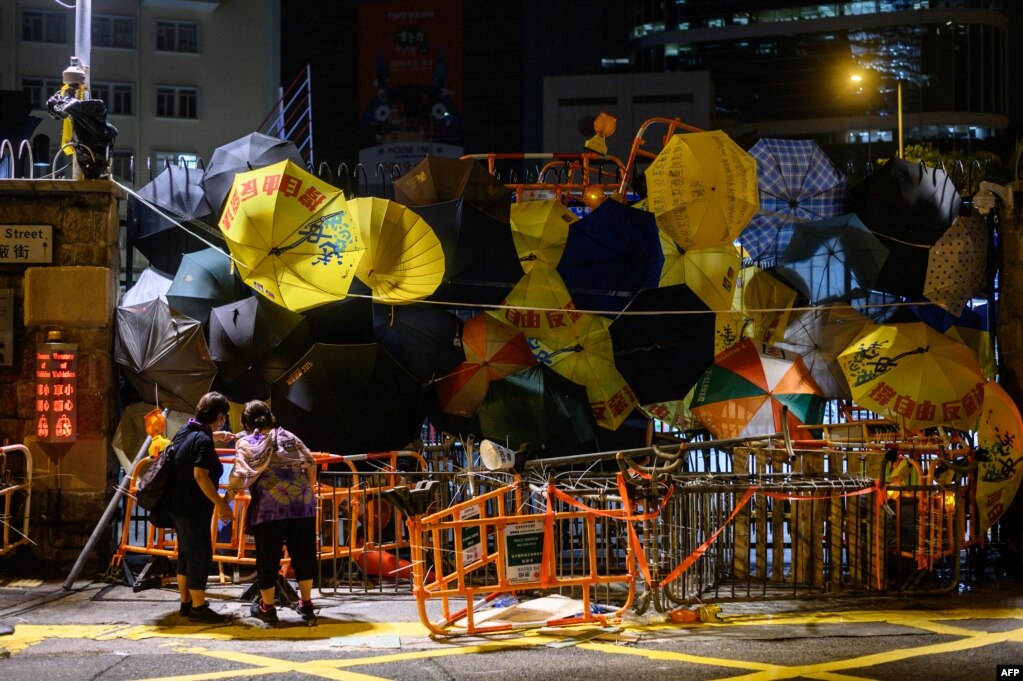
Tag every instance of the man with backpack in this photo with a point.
(191, 498)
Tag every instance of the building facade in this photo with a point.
(179, 77)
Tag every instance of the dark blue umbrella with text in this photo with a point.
(349, 399)
(481, 264)
(204, 280)
(610, 255)
(833, 259)
(253, 341)
(663, 341)
(425, 339)
(171, 217)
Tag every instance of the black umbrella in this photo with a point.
(348, 321)
(425, 339)
(175, 191)
(481, 264)
(662, 356)
(541, 407)
(349, 399)
(436, 180)
(610, 255)
(909, 206)
(204, 280)
(92, 136)
(252, 151)
(163, 354)
(253, 342)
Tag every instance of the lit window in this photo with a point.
(715, 23)
(177, 102)
(42, 26)
(177, 36)
(175, 158)
(119, 97)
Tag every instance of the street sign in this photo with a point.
(523, 551)
(26, 244)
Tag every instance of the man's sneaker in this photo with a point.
(269, 616)
(305, 609)
(185, 609)
(204, 613)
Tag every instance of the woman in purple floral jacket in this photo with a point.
(279, 472)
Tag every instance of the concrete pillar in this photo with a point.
(75, 293)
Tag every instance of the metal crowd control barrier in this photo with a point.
(15, 497)
(501, 542)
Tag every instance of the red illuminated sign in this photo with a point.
(56, 392)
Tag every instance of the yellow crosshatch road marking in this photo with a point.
(253, 665)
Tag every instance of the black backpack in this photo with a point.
(151, 485)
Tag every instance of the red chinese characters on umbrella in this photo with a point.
(906, 406)
(285, 184)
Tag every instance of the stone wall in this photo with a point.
(76, 294)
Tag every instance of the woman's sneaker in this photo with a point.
(185, 609)
(204, 613)
(269, 616)
(305, 609)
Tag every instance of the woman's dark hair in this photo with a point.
(211, 405)
(257, 415)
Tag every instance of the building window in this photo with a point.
(42, 26)
(119, 97)
(163, 159)
(177, 102)
(113, 31)
(177, 36)
(39, 90)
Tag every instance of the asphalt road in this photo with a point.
(104, 632)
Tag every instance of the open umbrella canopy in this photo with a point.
(766, 302)
(661, 356)
(425, 339)
(540, 407)
(253, 342)
(204, 280)
(583, 353)
(163, 354)
(176, 192)
(1000, 435)
(611, 254)
(540, 230)
(404, 260)
(833, 259)
(969, 328)
(710, 272)
(349, 399)
(437, 180)
(250, 152)
(744, 391)
(818, 336)
(480, 262)
(798, 183)
(493, 349)
(539, 302)
(348, 321)
(702, 188)
(956, 264)
(915, 375)
(292, 236)
(150, 285)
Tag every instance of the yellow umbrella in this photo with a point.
(539, 302)
(583, 353)
(702, 188)
(914, 374)
(1000, 432)
(404, 260)
(709, 272)
(540, 230)
(291, 236)
(767, 303)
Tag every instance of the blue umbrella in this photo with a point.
(611, 254)
(203, 281)
(833, 259)
(798, 183)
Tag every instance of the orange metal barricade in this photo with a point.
(575, 173)
(12, 491)
(500, 546)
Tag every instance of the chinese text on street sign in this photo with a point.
(26, 244)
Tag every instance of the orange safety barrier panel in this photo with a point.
(500, 547)
(11, 491)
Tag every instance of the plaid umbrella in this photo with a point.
(798, 183)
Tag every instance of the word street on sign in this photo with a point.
(26, 244)
(56, 392)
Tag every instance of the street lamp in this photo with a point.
(857, 77)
